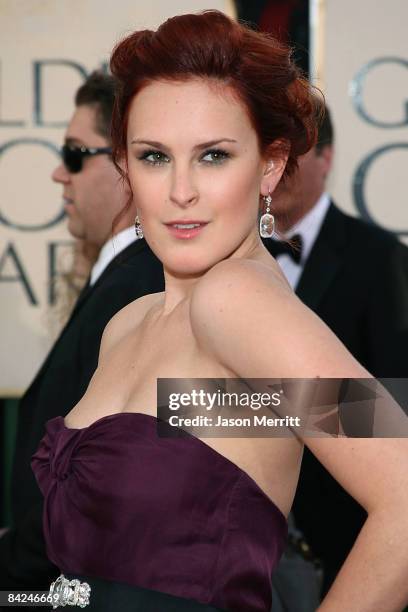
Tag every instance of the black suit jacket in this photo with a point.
(356, 280)
(58, 386)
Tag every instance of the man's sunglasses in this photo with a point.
(73, 157)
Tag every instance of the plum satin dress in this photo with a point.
(155, 524)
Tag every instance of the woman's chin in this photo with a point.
(188, 267)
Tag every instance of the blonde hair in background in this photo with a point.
(69, 283)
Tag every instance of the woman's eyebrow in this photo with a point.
(202, 145)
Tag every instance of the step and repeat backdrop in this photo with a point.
(359, 58)
(47, 49)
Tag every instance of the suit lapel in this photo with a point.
(121, 258)
(86, 289)
(129, 251)
(324, 260)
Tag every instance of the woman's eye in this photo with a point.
(215, 156)
(156, 158)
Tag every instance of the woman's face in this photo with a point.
(196, 174)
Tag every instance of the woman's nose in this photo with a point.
(183, 191)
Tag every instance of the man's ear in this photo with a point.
(326, 156)
(127, 189)
(123, 165)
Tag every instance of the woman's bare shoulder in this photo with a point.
(228, 299)
(252, 322)
(237, 271)
(237, 284)
(126, 321)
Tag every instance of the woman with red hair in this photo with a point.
(209, 117)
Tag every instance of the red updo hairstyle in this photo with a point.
(280, 103)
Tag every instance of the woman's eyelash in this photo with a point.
(157, 155)
(218, 156)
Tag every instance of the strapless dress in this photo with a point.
(153, 523)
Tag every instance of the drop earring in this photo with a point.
(267, 220)
(138, 228)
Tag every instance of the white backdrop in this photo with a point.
(360, 61)
(47, 48)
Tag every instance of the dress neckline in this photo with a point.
(106, 416)
(150, 418)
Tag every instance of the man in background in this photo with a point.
(125, 270)
(354, 275)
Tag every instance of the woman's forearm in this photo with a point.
(375, 574)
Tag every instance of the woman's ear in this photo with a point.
(274, 166)
(272, 174)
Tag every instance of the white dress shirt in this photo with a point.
(308, 227)
(110, 249)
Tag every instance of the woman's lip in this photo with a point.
(186, 222)
(185, 233)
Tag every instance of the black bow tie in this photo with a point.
(293, 249)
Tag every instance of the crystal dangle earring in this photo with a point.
(138, 228)
(267, 220)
